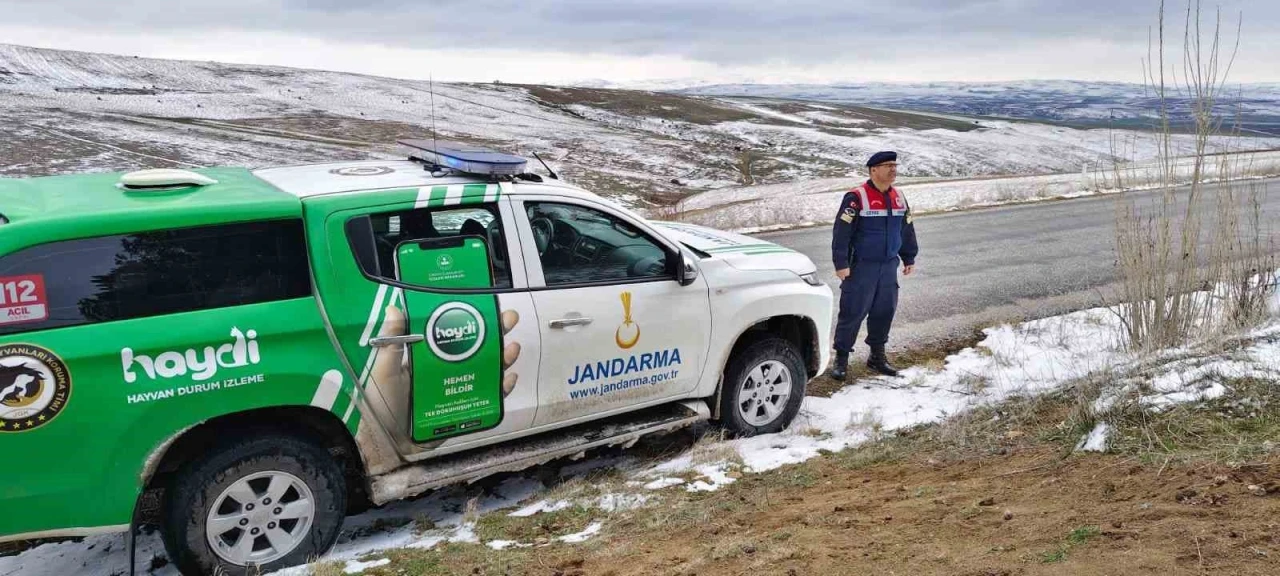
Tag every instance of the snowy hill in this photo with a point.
(73, 111)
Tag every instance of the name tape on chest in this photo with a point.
(875, 206)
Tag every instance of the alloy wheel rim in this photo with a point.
(764, 393)
(260, 518)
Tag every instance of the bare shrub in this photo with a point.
(869, 423)
(714, 448)
(1174, 289)
(746, 159)
(1242, 260)
(332, 568)
(666, 212)
(1008, 193)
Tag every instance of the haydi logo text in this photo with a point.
(200, 364)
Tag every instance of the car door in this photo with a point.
(443, 345)
(618, 330)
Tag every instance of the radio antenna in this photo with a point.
(544, 165)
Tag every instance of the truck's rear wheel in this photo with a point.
(763, 388)
(253, 506)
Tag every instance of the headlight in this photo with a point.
(811, 279)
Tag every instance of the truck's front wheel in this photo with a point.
(257, 505)
(763, 388)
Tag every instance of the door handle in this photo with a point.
(381, 341)
(567, 322)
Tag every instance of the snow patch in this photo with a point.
(1095, 440)
(541, 506)
(763, 208)
(619, 502)
(663, 483)
(716, 476)
(583, 536)
(357, 567)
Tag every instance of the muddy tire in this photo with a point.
(258, 505)
(763, 387)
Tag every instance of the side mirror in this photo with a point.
(686, 270)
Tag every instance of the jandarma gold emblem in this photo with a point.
(628, 334)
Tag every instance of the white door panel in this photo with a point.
(608, 347)
(617, 330)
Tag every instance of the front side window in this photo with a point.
(581, 245)
(129, 276)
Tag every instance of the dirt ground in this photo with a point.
(998, 491)
(1003, 516)
(1028, 512)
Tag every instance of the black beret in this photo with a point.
(881, 158)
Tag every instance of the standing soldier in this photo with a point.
(872, 233)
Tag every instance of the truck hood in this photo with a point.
(741, 252)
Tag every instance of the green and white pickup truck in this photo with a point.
(240, 356)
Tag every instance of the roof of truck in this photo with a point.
(87, 200)
(308, 180)
(319, 179)
(97, 204)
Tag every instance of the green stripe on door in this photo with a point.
(756, 251)
(457, 195)
(747, 248)
(436, 199)
(473, 193)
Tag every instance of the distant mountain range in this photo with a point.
(1081, 104)
(1256, 107)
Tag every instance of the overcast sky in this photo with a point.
(631, 40)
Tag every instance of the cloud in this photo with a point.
(1004, 38)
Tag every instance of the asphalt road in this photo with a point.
(982, 267)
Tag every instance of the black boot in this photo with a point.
(840, 367)
(879, 363)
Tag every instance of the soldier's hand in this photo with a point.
(510, 353)
(842, 274)
(390, 369)
(906, 270)
(390, 365)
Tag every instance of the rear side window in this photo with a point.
(152, 274)
(375, 238)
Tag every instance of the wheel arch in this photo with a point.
(305, 422)
(801, 331)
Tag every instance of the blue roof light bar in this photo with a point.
(466, 158)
